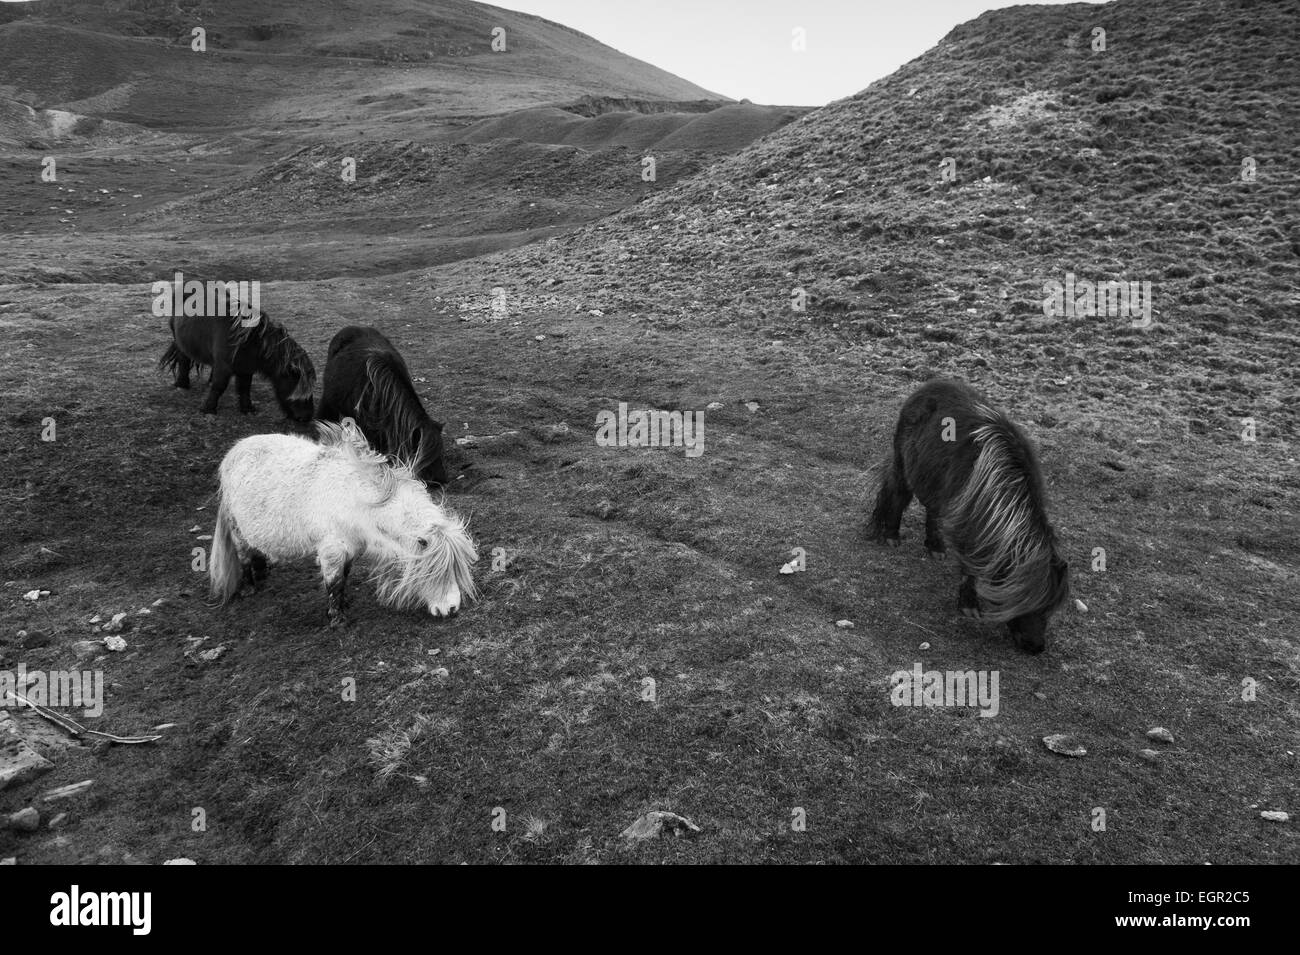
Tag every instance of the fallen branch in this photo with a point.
(72, 727)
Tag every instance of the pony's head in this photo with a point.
(423, 553)
(292, 375)
(1029, 630)
(1005, 540)
(410, 435)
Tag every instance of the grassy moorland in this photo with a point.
(622, 564)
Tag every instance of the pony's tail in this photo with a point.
(224, 570)
(170, 358)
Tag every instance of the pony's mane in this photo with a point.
(280, 353)
(1000, 526)
(382, 471)
(389, 396)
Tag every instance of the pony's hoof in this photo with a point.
(936, 553)
(211, 411)
(972, 612)
(338, 619)
(182, 385)
(251, 409)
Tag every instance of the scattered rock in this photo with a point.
(180, 862)
(68, 792)
(844, 624)
(34, 639)
(1150, 755)
(35, 594)
(18, 761)
(924, 646)
(96, 619)
(216, 653)
(59, 821)
(1080, 606)
(752, 405)
(1275, 815)
(116, 624)
(650, 825)
(1064, 745)
(714, 406)
(1160, 735)
(85, 649)
(165, 726)
(116, 644)
(10, 861)
(24, 820)
(791, 568)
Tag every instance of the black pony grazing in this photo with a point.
(367, 380)
(977, 476)
(235, 345)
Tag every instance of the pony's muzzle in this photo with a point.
(1029, 632)
(299, 411)
(448, 606)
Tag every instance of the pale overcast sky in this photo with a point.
(741, 48)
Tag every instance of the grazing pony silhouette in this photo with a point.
(366, 379)
(285, 497)
(978, 478)
(234, 345)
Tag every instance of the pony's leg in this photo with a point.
(248, 557)
(244, 388)
(968, 601)
(335, 562)
(182, 379)
(934, 542)
(892, 500)
(253, 563)
(220, 381)
(344, 600)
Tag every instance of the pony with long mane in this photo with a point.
(285, 497)
(239, 346)
(367, 379)
(977, 476)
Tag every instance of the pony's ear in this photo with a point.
(353, 433)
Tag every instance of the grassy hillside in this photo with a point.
(313, 65)
(1124, 164)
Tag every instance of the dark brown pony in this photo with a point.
(367, 380)
(234, 346)
(977, 476)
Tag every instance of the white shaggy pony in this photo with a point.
(285, 497)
